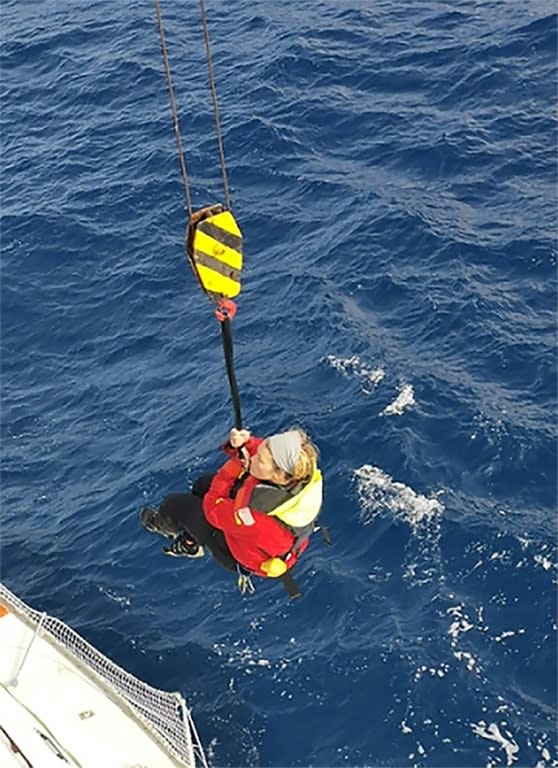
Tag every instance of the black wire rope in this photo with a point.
(181, 158)
(215, 105)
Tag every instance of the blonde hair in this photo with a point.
(308, 459)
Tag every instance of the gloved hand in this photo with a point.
(239, 437)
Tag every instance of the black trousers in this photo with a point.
(184, 512)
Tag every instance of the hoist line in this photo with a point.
(172, 99)
(215, 105)
(178, 137)
(225, 307)
(228, 235)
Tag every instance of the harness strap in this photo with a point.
(290, 585)
(326, 538)
(236, 486)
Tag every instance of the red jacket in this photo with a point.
(252, 536)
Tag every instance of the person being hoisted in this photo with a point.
(255, 514)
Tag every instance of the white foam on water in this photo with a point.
(380, 495)
(493, 733)
(122, 600)
(493, 427)
(469, 659)
(240, 654)
(404, 727)
(544, 562)
(353, 366)
(405, 399)
(460, 625)
(547, 760)
(509, 633)
(424, 670)
(378, 492)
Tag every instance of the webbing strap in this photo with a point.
(290, 585)
(226, 334)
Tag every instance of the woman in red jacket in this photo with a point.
(257, 511)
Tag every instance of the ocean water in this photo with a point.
(393, 169)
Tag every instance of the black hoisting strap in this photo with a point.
(224, 312)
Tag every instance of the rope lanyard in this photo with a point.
(220, 279)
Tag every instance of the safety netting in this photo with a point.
(164, 715)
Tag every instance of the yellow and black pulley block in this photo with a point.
(214, 248)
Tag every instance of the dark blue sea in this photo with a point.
(393, 167)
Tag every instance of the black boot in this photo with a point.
(152, 521)
(184, 546)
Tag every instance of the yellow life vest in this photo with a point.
(298, 513)
(303, 508)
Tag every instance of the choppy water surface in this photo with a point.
(393, 168)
